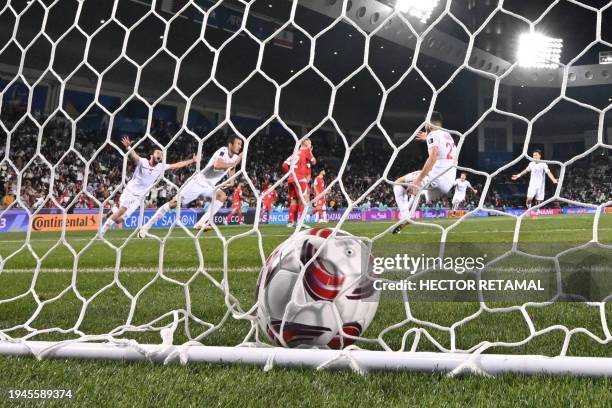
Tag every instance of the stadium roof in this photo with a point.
(339, 53)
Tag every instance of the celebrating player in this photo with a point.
(236, 205)
(299, 167)
(537, 181)
(461, 186)
(319, 187)
(146, 174)
(437, 176)
(204, 184)
(269, 198)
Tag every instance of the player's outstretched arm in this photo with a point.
(552, 177)
(521, 174)
(184, 163)
(313, 161)
(221, 165)
(227, 184)
(127, 143)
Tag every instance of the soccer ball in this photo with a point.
(335, 295)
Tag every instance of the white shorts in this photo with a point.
(131, 202)
(438, 187)
(193, 190)
(458, 198)
(536, 192)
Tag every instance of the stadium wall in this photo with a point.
(88, 220)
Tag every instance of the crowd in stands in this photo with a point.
(591, 184)
(587, 182)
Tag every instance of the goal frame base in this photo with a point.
(366, 360)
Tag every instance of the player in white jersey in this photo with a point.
(205, 185)
(437, 176)
(461, 186)
(146, 174)
(537, 181)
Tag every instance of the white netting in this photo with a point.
(413, 329)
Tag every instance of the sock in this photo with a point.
(214, 207)
(409, 203)
(109, 223)
(402, 202)
(161, 211)
(293, 209)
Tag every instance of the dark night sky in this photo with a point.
(338, 54)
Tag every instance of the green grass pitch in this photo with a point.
(138, 384)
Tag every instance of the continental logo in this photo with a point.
(74, 222)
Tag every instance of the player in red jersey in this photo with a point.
(319, 187)
(299, 168)
(236, 205)
(269, 198)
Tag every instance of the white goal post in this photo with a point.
(24, 339)
(361, 361)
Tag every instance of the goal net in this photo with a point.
(360, 79)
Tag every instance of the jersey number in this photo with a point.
(451, 150)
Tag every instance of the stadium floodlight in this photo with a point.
(421, 9)
(539, 51)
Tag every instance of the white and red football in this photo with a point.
(333, 296)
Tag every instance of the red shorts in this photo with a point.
(294, 193)
(320, 202)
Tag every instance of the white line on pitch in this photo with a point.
(130, 270)
(404, 233)
(134, 239)
(250, 269)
